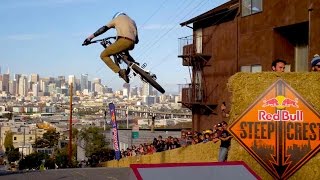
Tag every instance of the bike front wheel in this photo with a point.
(148, 78)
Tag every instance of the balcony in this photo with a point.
(193, 97)
(190, 50)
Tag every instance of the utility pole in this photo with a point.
(35, 138)
(127, 114)
(70, 125)
(153, 122)
(24, 140)
(105, 120)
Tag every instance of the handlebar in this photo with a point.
(100, 40)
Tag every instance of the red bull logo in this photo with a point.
(280, 102)
(280, 115)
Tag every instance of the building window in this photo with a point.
(256, 68)
(251, 7)
(251, 68)
(15, 138)
(287, 68)
(198, 34)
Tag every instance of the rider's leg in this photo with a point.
(117, 47)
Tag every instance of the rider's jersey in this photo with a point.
(125, 27)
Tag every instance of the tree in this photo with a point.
(8, 142)
(33, 161)
(52, 136)
(41, 143)
(75, 133)
(50, 139)
(62, 157)
(94, 140)
(13, 155)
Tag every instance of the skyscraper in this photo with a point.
(52, 88)
(34, 78)
(17, 78)
(5, 82)
(134, 91)
(35, 89)
(60, 81)
(89, 86)
(13, 87)
(147, 89)
(23, 86)
(84, 81)
(44, 85)
(126, 90)
(72, 80)
(97, 80)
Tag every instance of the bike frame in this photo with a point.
(145, 76)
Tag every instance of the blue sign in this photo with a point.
(115, 136)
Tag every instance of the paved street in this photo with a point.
(76, 174)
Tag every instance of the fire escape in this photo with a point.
(194, 95)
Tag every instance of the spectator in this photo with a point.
(176, 143)
(206, 137)
(223, 108)
(160, 144)
(201, 138)
(315, 63)
(278, 65)
(153, 149)
(149, 149)
(189, 138)
(155, 141)
(219, 129)
(225, 139)
(183, 140)
(215, 137)
(167, 144)
(141, 150)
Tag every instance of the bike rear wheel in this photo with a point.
(147, 77)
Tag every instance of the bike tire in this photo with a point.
(148, 78)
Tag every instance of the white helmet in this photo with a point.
(118, 14)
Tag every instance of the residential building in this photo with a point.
(244, 35)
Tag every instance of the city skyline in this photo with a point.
(45, 37)
(83, 82)
(34, 85)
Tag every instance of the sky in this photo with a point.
(45, 37)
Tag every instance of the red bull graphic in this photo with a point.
(280, 102)
(280, 130)
(115, 136)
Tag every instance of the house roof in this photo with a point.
(230, 5)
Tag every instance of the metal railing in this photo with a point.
(190, 45)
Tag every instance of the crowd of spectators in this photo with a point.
(187, 138)
(157, 145)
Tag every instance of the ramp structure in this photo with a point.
(191, 171)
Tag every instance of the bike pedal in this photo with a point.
(144, 65)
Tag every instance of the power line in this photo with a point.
(154, 13)
(157, 41)
(143, 46)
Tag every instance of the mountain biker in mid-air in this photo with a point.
(127, 37)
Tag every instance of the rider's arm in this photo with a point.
(100, 31)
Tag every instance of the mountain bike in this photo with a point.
(145, 75)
